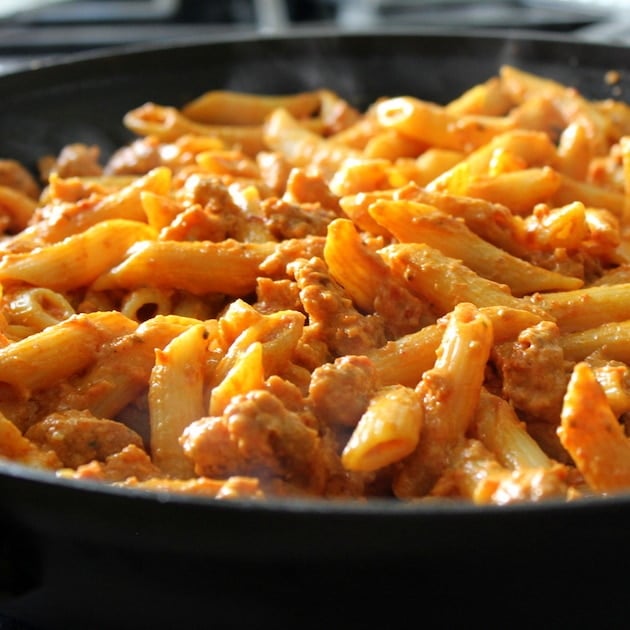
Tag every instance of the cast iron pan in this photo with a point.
(75, 555)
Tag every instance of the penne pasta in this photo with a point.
(387, 432)
(450, 392)
(224, 107)
(176, 398)
(592, 435)
(285, 296)
(199, 267)
(413, 222)
(77, 260)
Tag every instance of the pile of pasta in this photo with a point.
(284, 296)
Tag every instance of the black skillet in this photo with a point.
(75, 555)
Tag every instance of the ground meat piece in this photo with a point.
(534, 371)
(232, 488)
(77, 160)
(332, 316)
(275, 265)
(277, 295)
(131, 462)
(311, 351)
(195, 224)
(340, 391)
(256, 436)
(287, 220)
(475, 474)
(290, 396)
(274, 170)
(211, 194)
(307, 188)
(17, 448)
(402, 312)
(78, 437)
(137, 158)
(14, 175)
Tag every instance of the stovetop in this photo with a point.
(42, 29)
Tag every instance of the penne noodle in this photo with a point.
(501, 431)
(585, 308)
(444, 281)
(124, 367)
(611, 339)
(247, 373)
(284, 296)
(225, 107)
(199, 267)
(415, 222)
(433, 124)
(37, 308)
(17, 208)
(77, 260)
(176, 398)
(33, 363)
(590, 432)
(450, 393)
(387, 432)
(169, 124)
(300, 146)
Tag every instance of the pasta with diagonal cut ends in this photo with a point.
(123, 203)
(359, 270)
(245, 374)
(532, 148)
(281, 295)
(410, 222)
(520, 190)
(33, 363)
(278, 334)
(370, 282)
(125, 362)
(589, 307)
(500, 429)
(405, 359)
(450, 392)
(446, 281)
(435, 125)
(611, 339)
(591, 433)
(387, 432)
(77, 260)
(301, 146)
(199, 267)
(146, 302)
(169, 124)
(226, 107)
(17, 208)
(176, 398)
